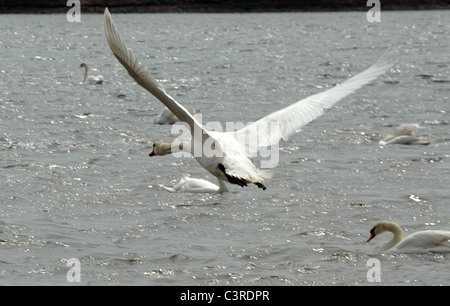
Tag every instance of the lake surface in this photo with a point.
(77, 182)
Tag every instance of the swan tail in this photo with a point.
(265, 174)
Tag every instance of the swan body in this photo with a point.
(419, 241)
(227, 155)
(91, 79)
(193, 185)
(166, 117)
(405, 134)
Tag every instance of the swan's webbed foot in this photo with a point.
(232, 179)
(238, 181)
(261, 186)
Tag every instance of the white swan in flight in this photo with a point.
(193, 185)
(226, 155)
(98, 79)
(166, 117)
(419, 241)
(405, 134)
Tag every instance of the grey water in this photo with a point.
(76, 180)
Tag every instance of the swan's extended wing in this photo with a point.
(140, 74)
(283, 123)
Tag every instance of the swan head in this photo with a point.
(83, 65)
(379, 228)
(160, 148)
(385, 226)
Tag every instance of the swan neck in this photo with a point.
(397, 232)
(174, 147)
(85, 73)
(180, 146)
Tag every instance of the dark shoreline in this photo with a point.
(198, 6)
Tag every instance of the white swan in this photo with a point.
(226, 155)
(91, 79)
(419, 241)
(405, 134)
(166, 117)
(194, 185)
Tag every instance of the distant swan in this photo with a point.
(166, 117)
(194, 185)
(226, 155)
(91, 79)
(405, 134)
(419, 241)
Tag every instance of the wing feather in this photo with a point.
(140, 74)
(283, 123)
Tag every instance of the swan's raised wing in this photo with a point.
(285, 122)
(140, 74)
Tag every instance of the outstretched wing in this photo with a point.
(283, 123)
(140, 74)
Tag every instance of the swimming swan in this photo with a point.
(405, 134)
(226, 155)
(194, 185)
(419, 241)
(91, 79)
(166, 117)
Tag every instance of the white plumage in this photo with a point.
(193, 185)
(405, 134)
(229, 160)
(417, 242)
(91, 79)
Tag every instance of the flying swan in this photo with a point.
(91, 79)
(405, 134)
(419, 241)
(227, 155)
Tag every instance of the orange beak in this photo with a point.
(372, 234)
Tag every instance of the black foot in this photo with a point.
(261, 186)
(232, 179)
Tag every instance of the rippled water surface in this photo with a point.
(77, 182)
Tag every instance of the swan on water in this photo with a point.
(226, 155)
(405, 134)
(98, 79)
(419, 241)
(166, 117)
(194, 185)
